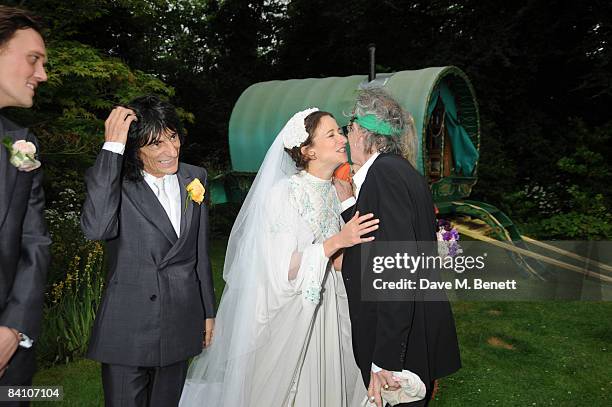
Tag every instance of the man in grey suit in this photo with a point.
(24, 241)
(158, 307)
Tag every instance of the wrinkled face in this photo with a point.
(356, 138)
(22, 69)
(328, 143)
(162, 157)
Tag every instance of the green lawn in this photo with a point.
(514, 354)
(524, 354)
(81, 382)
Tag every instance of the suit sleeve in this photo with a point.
(348, 213)
(394, 317)
(23, 310)
(100, 216)
(204, 269)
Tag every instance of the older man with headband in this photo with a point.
(401, 343)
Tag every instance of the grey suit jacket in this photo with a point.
(159, 288)
(24, 246)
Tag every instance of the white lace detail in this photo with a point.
(316, 202)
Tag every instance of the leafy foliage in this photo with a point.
(541, 71)
(577, 205)
(70, 110)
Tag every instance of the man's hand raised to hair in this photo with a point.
(117, 124)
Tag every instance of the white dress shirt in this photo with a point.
(173, 191)
(171, 186)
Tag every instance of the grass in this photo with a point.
(513, 353)
(532, 354)
(80, 380)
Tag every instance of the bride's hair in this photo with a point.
(311, 122)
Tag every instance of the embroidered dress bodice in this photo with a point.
(316, 201)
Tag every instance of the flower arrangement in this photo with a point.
(448, 239)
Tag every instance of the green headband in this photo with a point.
(375, 125)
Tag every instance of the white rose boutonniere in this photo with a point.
(23, 154)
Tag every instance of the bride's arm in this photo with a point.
(294, 265)
(337, 260)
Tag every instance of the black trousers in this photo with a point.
(21, 368)
(133, 386)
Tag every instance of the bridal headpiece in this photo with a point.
(294, 133)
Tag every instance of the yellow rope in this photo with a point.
(493, 218)
(537, 256)
(567, 253)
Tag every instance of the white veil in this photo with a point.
(264, 318)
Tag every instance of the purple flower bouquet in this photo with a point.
(448, 239)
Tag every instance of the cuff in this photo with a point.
(114, 147)
(348, 203)
(375, 369)
(25, 341)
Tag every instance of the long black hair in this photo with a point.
(155, 117)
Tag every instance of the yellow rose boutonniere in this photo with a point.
(195, 192)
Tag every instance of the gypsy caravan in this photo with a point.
(445, 111)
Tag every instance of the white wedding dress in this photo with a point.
(283, 335)
(328, 358)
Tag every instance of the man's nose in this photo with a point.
(41, 74)
(172, 150)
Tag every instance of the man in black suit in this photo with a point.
(158, 307)
(407, 333)
(24, 240)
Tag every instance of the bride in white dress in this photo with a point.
(283, 335)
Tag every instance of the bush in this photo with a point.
(75, 282)
(576, 204)
(71, 307)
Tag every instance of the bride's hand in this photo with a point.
(343, 189)
(352, 232)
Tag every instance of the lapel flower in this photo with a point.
(23, 154)
(195, 192)
(448, 239)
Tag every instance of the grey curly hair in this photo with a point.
(379, 103)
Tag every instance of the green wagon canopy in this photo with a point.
(441, 96)
(263, 109)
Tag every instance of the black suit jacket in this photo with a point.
(24, 250)
(160, 287)
(410, 334)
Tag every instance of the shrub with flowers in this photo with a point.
(76, 283)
